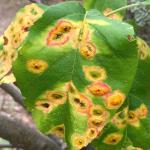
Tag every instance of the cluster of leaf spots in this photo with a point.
(50, 100)
(130, 117)
(97, 74)
(97, 116)
(86, 47)
(138, 114)
(14, 36)
(64, 31)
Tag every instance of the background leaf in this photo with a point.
(14, 36)
(106, 6)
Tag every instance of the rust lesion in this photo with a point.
(88, 50)
(61, 33)
(81, 103)
(99, 88)
(142, 111)
(91, 133)
(56, 97)
(115, 100)
(50, 99)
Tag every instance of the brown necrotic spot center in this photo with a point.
(57, 96)
(5, 40)
(66, 29)
(97, 112)
(94, 74)
(46, 105)
(77, 100)
(57, 36)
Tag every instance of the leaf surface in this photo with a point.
(75, 70)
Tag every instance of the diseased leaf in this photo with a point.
(75, 70)
(14, 36)
(133, 120)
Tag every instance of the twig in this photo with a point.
(6, 146)
(14, 92)
(22, 135)
(127, 7)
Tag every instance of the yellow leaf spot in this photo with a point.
(88, 50)
(133, 119)
(56, 97)
(97, 122)
(99, 111)
(142, 111)
(36, 66)
(120, 118)
(113, 138)
(33, 10)
(115, 100)
(94, 73)
(59, 131)
(91, 133)
(79, 141)
(143, 49)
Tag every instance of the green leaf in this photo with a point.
(106, 6)
(75, 69)
(139, 100)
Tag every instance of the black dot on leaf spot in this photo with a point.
(113, 140)
(46, 105)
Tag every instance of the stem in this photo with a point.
(20, 134)
(127, 6)
(13, 91)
